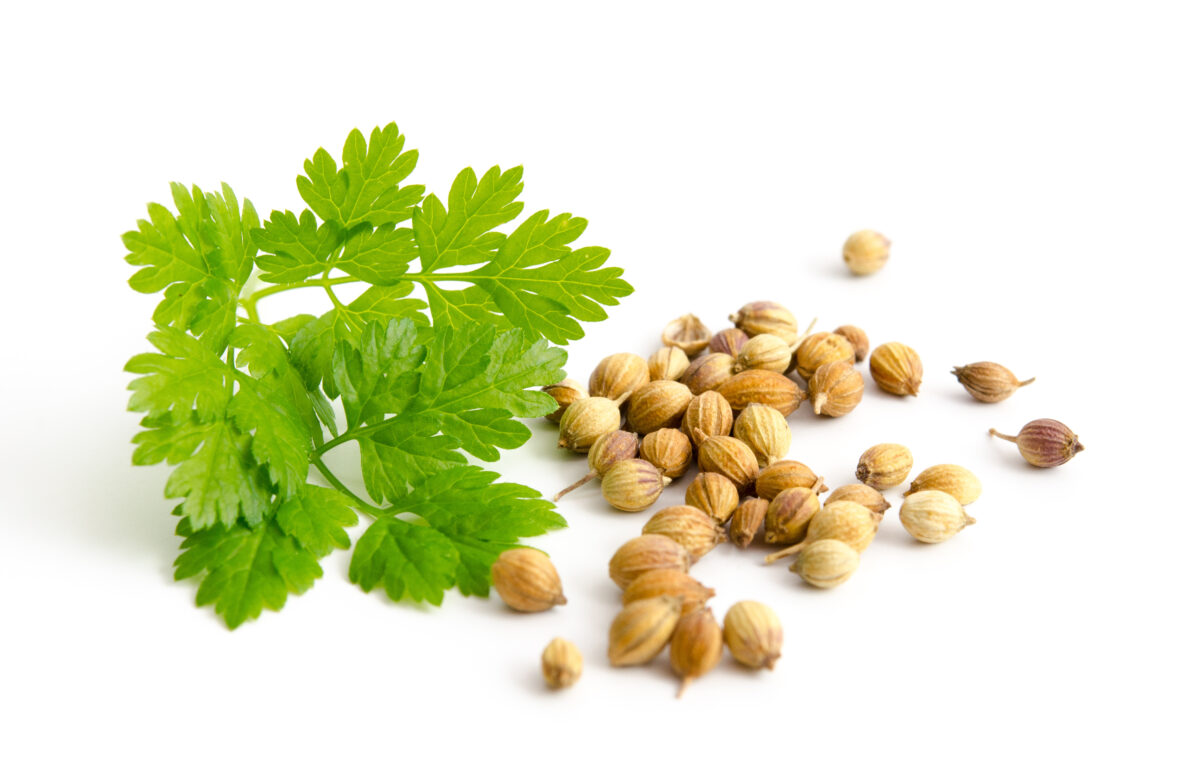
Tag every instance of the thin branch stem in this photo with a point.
(361, 503)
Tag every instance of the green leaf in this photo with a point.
(408, 560)
(380, 256)
(280, 440)
(375, 377)
(465, 234)
(316, 517)
(299, 247)
(185, 376)
(164, 440)
(221, 482)
(406, 452)
(264, 354)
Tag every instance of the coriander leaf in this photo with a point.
(221, 482)
(280, 440)
(465, 234)
(408, 450)
(164, 440)
(299, 247)
(380, 256)
(267, 358)
(407, 559)
(375, 377)
(316, 517)
(184, 376)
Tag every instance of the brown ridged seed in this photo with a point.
(728, 341)
(713, 494)
(1044, 443)
(564, 393)
(861, 494)
(857, 338)
(647, 553)
(708, 372)
(764, 317)
(764, 352)
(764, 429)
(786, 474)
(762, 386)
(586, 420)
(747, 520)
(958, 481)
(865, 252)
(633, 485)
(669, 450)
(884, 466)
(688, 333)
(561, 664)
(836, 389)
(826, 564)
(668, 581)
(658, 404)
(789, 514)
(710, 413)
(988, 382)
(696, 646)
(619, 375)
(844, 521)
(753, 633)
(667, 364)
(689, 527)
(729, 457)
(610, 448)
(896, 369)
(819, 349)
(642, 629)
(933, 516)
(526, 580)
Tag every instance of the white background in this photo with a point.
(1028, 161)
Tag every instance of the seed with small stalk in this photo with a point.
(764, 429)
(836, 389)
(564, 393)
(826, 564)
(658, 404)
(818, 350)
(668, 581)
(586, 420)
(958, 481)
(633, 485)
(526, 580)
(708, 372)
(642, 629)
(865, 252)
(1044, 443)
(764, 352)
(667, 364)
(786, 474)
(688, 526)
(688, 333)
(764, 317)
(728, 341)
(729, 457)
(753, 633)
(789, 514)
(669, 450)
(747, 520)
(610, 448)
(696, 647)
(561, 664)
(619, 375)
(709, 413)
(896, 369)
(988, 382)
(647, 553)
(857, 338)
(762, 386)
(848, 522)
(862, 495)
(933, 516)
(884, 466)
(713, 494)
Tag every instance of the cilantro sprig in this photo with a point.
(244, 410)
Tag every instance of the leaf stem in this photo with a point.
(324, 281)
(361, 503)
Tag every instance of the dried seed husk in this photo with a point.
(728, 341)
(789, 514)
(564, 393)
(958, 481)
(826, 563)
(658, 404)
(762, 386)
(585, 421)
(884, 466)
(713, 494)
(764, 429)
(753, 633)
(865, 252)
(786, 474)
(729, 457)
(526, 580)
(857, 338)
(1044, 443)
(747, 520)
(988, 382)
(688, 333)
(669, 450)
(710, 413)
(668, 581)
(836, 389)
(561, 664)
(819, 349)
(848, 522)
(667, 364)
(619, 375)
(764, 317)
(610, 448)
(896, 369)
(633, 485)
(862, 495)
(647, 553)
(933, 516)
(764, 352)
(708, 372)
(696, 646)
(689, 526)
(641, 630)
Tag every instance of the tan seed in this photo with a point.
(729, 457)
(884, 466)
(866, 252)
(861, 494)
(561, 664)
(761, 386)
(933, 516)
(789, 514)
(633, 485)
(690, 527)
(564, 393)
(786, 474)
(688, 333)
(641, 630)
(710, 413)
(610, 448)
(668, 581)
(669, 450)
(728, 341)
(958, 481)
(696, 646)
(667, 364)
(585, 420)
(526, 580)
(857, 338)
(827, 563)
(713, 494)
(747, 520)
(753, 633)
(617, 376)
(988, 382)
(896, 369)
(647, 553)
(764, 429)
(708, 372)
(818, 350)
(764, 352)
(764, 317)
(836, 389)
(658, 404)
